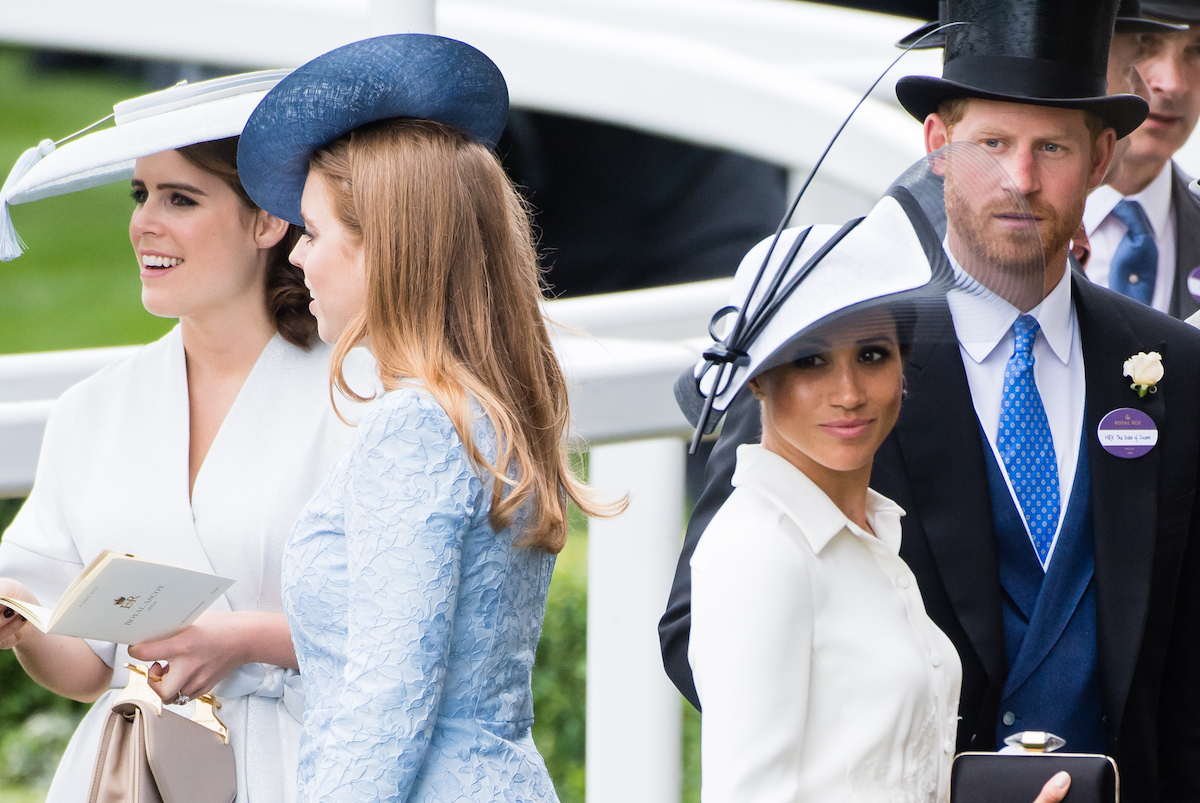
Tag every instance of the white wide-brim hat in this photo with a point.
(182, 115)
(828, 273)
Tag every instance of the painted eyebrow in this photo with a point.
(137, 182)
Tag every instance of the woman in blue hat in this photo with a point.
(415, 582)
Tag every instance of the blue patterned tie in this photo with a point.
(1025, 443)
(1135, 264)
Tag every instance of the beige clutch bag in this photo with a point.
(148, 755)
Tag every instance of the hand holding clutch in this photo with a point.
(1017, 777)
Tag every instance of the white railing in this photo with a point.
(624, 411)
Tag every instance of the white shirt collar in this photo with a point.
(982, 318)
(1155, 199)
(809, 508)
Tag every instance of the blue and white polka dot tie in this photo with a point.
(1025, 443)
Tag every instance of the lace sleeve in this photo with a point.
(411, 495)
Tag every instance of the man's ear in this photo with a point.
(268, 229)
(1102, 156)
(937, 135)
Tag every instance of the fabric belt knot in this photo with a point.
(264, 680)
(1135, 264)
(1025, 444)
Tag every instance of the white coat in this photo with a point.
(113, 474)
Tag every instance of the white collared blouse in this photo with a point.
(820, 674)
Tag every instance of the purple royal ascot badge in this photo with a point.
(1193, 284)
(1127, 433)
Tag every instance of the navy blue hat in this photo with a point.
(1017, 51)
(410, 75)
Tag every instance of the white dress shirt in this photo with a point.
(821, 676)
(1105, 233)
(983, 324)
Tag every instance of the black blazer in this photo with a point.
(1187, 242)
(1147, 537)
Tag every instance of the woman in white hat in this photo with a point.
(820, 674)
(199, 450)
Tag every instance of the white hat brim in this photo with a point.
(108, 155)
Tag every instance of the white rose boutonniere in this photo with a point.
(1146, 370)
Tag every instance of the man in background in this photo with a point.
(1143, 227)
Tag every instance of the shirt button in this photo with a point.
(935, 659)
(1009, 718)
(902, 581)
(948, 746)
(1133, 278)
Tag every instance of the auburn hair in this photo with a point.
(287, 296)
(952, 112)
(452, 300)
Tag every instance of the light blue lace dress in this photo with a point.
(414, 622)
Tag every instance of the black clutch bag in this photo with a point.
(1019, 777)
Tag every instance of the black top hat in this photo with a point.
(1040, 52)
(1130, 19)
(1185, 11)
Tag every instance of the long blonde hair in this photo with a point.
(453, 287)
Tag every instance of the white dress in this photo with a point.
(113, 474)
(820, 675)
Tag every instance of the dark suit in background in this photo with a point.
(1146, 537)
(619, 209)
(1187, 242)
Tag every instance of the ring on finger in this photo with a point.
(181, 699)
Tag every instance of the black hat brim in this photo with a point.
(1123, 25)
(931, 43)
(1141, 25)
(1186, 13)
(920, 95)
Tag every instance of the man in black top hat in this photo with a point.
(1143, 226)
(1087, 624)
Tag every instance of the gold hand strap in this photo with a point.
(138, 690)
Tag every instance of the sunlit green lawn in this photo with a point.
(77, 285)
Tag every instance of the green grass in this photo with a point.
(77, 285)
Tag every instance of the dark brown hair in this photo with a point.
(287, 297)
(453, 292)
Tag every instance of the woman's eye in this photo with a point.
(181, 200)
(875, 354)
(307, 235)
(813, 361)
(138, 196)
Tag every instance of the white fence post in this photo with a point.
(633, 711)
(401, 16)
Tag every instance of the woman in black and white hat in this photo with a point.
(199, 450)
(820, 674)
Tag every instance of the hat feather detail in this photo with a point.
(11, 245)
